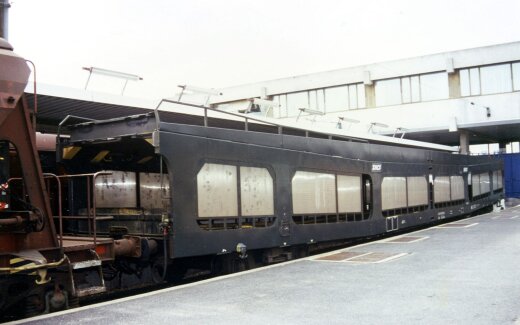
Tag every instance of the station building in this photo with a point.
(459, 98)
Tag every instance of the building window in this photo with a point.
(516, 76)
(474, 81)
(295, 101)
(336, 99)
(282, 101)
(493, 79)
(412, 89)
(434, 86)
(388, 92)
(331, 99)
(352, 97)
(361, 96)
(317, 100)
(345, 97)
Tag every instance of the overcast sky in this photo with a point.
(223, 43)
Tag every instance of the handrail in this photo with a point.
(71, 116)
(247, 120)
(89, 199)
(94, 214)
(60, 214)
(206, 108)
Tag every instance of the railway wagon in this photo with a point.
(132, 198)
(225, 188)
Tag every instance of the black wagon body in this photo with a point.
(229, 186)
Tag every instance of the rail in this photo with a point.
(247, 121)
(60, 211)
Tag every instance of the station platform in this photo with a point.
(464, 272)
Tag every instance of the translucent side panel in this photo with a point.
(516, 76)
(500, 179)
(352, 97)
(313, 193)
(474, 81)
(406, 91)
(117, 190)
(496, 79)
(217, 191)
(388, 92)
(393, 193)
(349, 194)
(441, 189)
(256, 192)
(457, 188)
(475, 182)
(361, 96)
(434, 86)
(296, 101)
(464, 82)
(417, 191)
(485, 186)
(494, 179)
(336, 99)
(150, 192)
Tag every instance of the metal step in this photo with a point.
(90, 291)
(85, 264)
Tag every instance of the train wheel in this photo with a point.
(34, 305)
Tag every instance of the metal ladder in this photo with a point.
(86, 283)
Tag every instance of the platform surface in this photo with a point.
(466, 274)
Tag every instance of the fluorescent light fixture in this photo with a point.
(342, 119)
(308, 111)
(112, 73)
(200, 90)
(349, 120)
(381, 125)
(206, 91)
(311, 111)
(401, 130)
